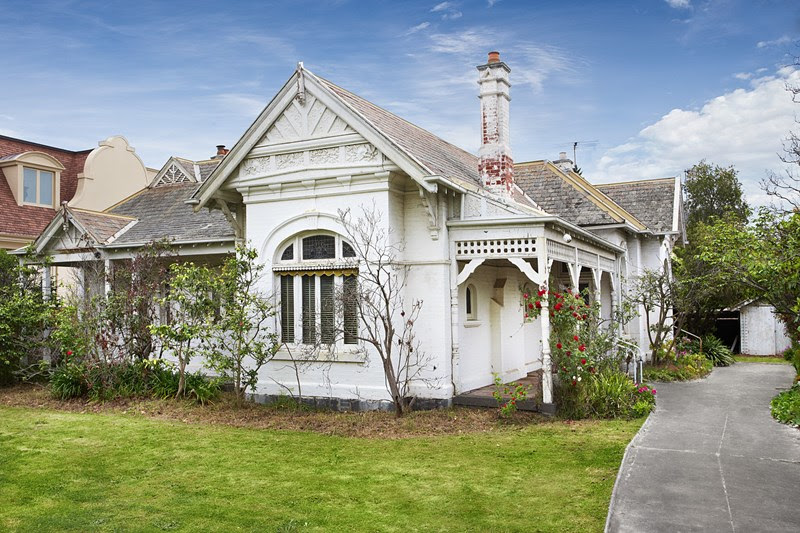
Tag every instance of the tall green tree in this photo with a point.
(713, 192)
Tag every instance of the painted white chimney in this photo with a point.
(495, 165)
(564, 163)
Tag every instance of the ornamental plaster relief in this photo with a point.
(358, 153)
(324, 156)
(287, 161)
(310, 119)
(254, 167)
(354, 154)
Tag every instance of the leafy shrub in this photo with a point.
(792, 354)
(108, 381)
(683, 368)
(614, 395)
(785, 407)
(67, 381)
(715, 350)
(607, 394)
(515, 393)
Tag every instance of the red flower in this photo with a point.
(557, 307)
(542, 292)
(525, 296)
(653, 391)
(571, 307)
(538, 305)
(575, 338)
(526, 315)
(575, 315)
(558, 345)
(577, 296)
(530, 306)
(569, 353)
(591, 369)
(583, 361)
(582, 348)
(574, 382)
(69, 352)
(552, 313)
(585, 316)
(558, 295)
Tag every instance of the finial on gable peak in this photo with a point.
(301, 83)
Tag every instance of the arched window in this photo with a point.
(471, 303)
(314, 271)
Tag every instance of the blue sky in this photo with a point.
(657, 84)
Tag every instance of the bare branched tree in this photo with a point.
(382, 318)
(785, 187)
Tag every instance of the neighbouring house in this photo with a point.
(477, 231)
(37, 179)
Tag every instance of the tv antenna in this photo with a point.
(575, 149)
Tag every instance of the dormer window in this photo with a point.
(34, 178)
(38, 186)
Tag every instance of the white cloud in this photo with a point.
(743, 76)
(442, 7)
(419, 27)
(449, 10)
(744, 128)
(780, 41)
(491, 3)
(679, 4)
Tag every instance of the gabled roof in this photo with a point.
(424, 157)
(180, 169)
(568, 195)
(655, 202)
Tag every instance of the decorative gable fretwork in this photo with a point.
(305, 120)
(173, 174)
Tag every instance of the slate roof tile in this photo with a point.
(162, 214)
(651, 201)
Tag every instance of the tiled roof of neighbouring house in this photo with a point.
(553, 193)
(100, 226)
(28, 220)
(162, 214)
(651, 201)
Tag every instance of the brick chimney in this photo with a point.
(221, 152)
(495, 166)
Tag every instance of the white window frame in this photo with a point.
(471, 303)
(297, 263)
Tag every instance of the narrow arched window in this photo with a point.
(471, 303)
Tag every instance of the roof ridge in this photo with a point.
(633, 182)
(103, 213)
(86, 150)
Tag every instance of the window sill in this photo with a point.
(472, 323)
(343, 355)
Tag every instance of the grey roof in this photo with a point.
(438, 155)
(101, 226)
(162, 214)
(207, 167)
(558, 197)
(651, 201)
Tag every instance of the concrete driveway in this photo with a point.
(711, 458)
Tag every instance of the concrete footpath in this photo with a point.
(711, 458)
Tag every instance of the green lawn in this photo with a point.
(761, 359)
(64, 471)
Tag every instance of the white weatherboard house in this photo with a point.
(476, 230)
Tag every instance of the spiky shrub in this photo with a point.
(715, 351)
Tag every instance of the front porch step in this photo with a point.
(482, 397)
